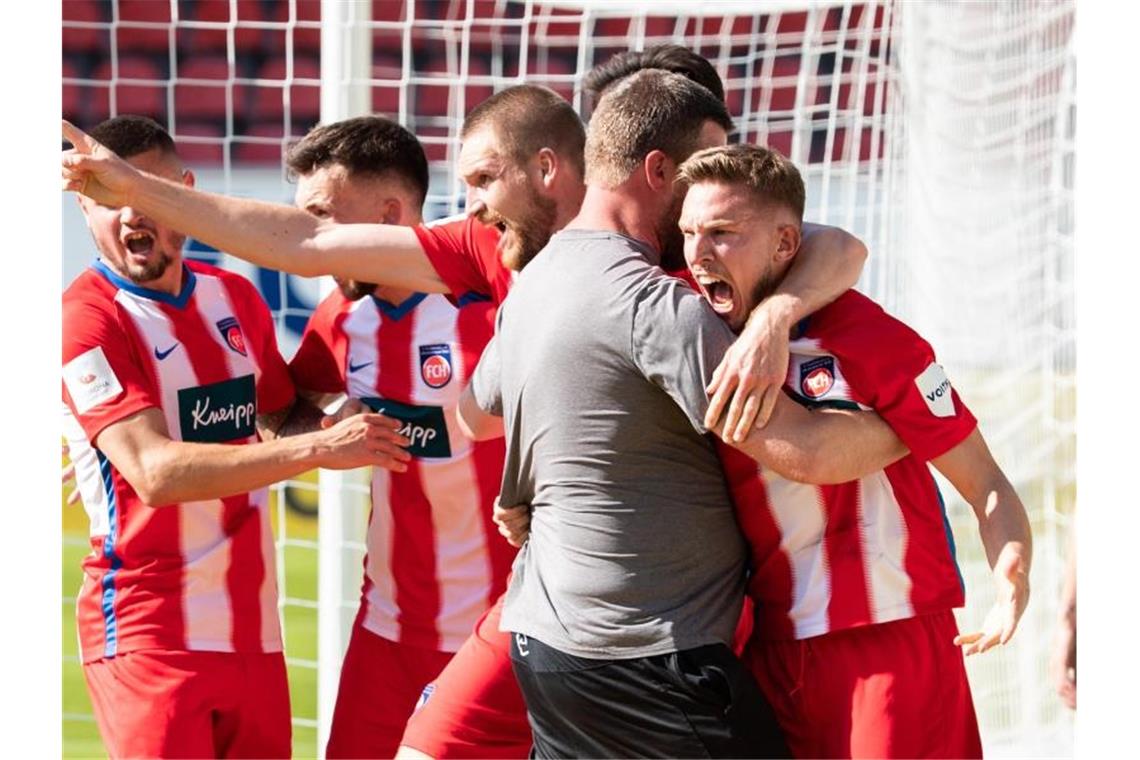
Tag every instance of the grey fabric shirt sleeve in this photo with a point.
(486, 382)
(677, 343)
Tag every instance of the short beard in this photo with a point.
(528, 236)
(354, 291)
(148, 272)
(672, 242)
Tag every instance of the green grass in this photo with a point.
(80, 734)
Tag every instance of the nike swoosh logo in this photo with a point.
(354, 367)
(160, 355)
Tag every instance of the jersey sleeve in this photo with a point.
(318, 364)
(677, 342)
(895, 369)
(275, 389)
(104, 380)
(486, 381)
(465, 255)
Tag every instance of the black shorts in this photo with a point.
(694, 703)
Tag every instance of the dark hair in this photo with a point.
(527, 118)
(767, 175)
(129, 136)
(674, 58)
(646, 111)
(369, 146)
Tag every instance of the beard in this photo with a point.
(150, 271)
(672, 240)
(524, 238)
(354, 290)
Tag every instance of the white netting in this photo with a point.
(940, 133)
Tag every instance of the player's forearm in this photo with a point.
(829, 262)
(823, 447)
(289, 239)
(179, 472)
(1002, 522)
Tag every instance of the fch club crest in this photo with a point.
(817, 376)
(435, 364)
(231, 333)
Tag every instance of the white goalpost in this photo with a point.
(940, 133)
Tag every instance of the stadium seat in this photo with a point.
(251, 152)
(305, 99)
(197, 100)
(246, 38)
(143, 39)
(306, 39)
(77, 39)
(388, 10)
(72, 97)
(199, 153)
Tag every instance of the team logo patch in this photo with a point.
(435, 364)
(817, 376)
(90, 380)
(936, 391)
(231, 332)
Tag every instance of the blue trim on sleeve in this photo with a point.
(178, 302)
(110, 621)
(471, 297)
(396, 313)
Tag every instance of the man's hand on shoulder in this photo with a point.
(93, 170)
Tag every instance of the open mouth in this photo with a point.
(139, 242)
(717, 292)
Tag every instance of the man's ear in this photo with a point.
(788, 238)
(188, 178)
(391, 211)
(548, 166)
(659, 170)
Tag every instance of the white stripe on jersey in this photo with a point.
(157, 330)
(267, 594)
(801, 516)
(88, 478)
(360, 325)
(206, 608)
(214, 305)
(884, 548)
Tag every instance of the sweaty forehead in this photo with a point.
(716, 201)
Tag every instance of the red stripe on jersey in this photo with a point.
(413, 545)
(771, 583)
(246, 571)
(850, 595)
(926, 529)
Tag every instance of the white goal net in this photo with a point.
(940, 133)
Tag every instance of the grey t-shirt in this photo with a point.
(599, 367)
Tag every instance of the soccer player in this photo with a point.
(612, 454)
(434, 561)
(173, 389)
(854, 583)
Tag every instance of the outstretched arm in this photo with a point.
(164, 471)
(748, 379)
(1005, 532)
(267, 234)
(824, 446)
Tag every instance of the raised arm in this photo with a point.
(267, 234)
(1005, 532)
(164, 471)
(747, 382)
(823, 446)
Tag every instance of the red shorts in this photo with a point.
(474, 709)
(895, 689)
(158, 703)
(380, 682)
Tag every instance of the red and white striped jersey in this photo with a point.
(435, 560)
(872, 550)
(191, 576)
(465, 254)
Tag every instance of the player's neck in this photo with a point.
(617, 210)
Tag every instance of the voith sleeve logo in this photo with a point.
(936, 391)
